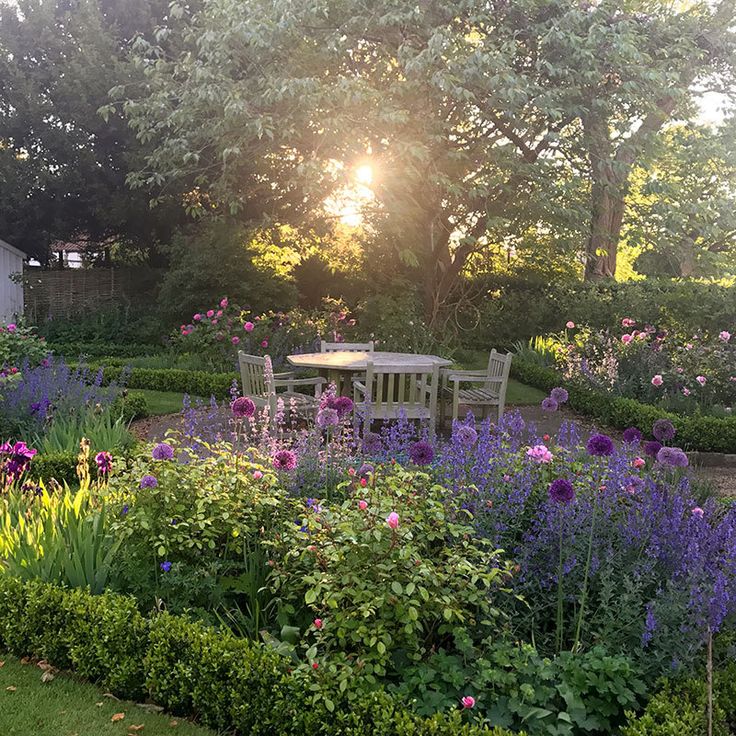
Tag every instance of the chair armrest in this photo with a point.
(471, 377)
(301, 382)
(285, 374)
(358, 386)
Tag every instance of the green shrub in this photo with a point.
(228, 683)
(72, 351)
(18, 344)
(129, 407)
(706, 434)
(61, 466)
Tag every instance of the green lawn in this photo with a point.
(162, 402)
(65, 707)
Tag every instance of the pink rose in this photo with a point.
(219, 312)
(264, 343)
(197, 317)
(701, 380)
(257, 474)
(685, 391)
(657, 380)
(249, 327)
(362, 505)
(626, 339)
(468, 702)
(12, 327)
(638, 462)
(540, 454)
(570, 326)
(697, 512)
(393, 520)
(223, 302)
(214, 321)
(627, 322)
(318, 623)
(234, 339)
(507, 478)
(724, 335)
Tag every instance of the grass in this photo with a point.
(162, 402)
(66, 707)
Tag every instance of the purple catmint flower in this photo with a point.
(421, 453)
(148, 481)
(632, 436)
(284, 460)
(561, 490)
(663, 430)
(650, 626)
(652, 447)
(162, 451)
(672, 456)
(372, 443)
(243, 407)
(559, 394)
(549, 404)
(600, 445)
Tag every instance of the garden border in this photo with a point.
(193, 670)
(705, 435)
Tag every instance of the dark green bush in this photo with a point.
(195, 383)
(706, 434)
(229, 683)
(61, 466)
(129, 406)
(71, 351)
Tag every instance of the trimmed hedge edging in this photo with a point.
(704, 434)
(225, 682)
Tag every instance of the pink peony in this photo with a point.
(701, 380)
(697, 512)
(257, 474)
(223, 302)
(657, 380)
(235, 340)
(540, 454)
(197, 317)
(627, 322)
(393, 520)
(626, 339)
(362, 505)
(638, 462)
(248, 327)
(210, 312)
(318, 623)
(685, 391)
(570, 325)
(468, 702)
(264, 343)
(724, 335)
(12, 327)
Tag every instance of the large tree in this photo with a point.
(467, 110)
(62, 167)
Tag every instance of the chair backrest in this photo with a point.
(256, 383)
(348, 347)
(499, 366)
(396, 389)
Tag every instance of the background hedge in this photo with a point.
(225, 682)
(702, 433)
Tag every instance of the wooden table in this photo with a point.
(339, 367)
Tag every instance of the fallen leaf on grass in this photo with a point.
(11, 688)
(25, 660)
(135, 729)
(99, 705)
(173, 724)
(44, 665)
(47, 676)
(117, 717)
(2, 662)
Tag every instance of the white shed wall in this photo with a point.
(11, 293)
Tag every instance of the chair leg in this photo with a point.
(455, 403)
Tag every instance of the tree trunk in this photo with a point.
(607, 210)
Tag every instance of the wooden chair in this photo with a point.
(349, 347)
(393, 391)
(491, 392)
(263, 386)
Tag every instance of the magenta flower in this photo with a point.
(243, 407)
(197, 317)
(697, 512)
(362, 505)
(570, 325)
(284, 460)
(249, 327)
(210, 313)
(223, 302)
(627, 322)
(234, 339)
(468, 702)
(257, 474)
(701, 380)
(540, 454)
(318, 624)
(657, 380)
(393, 520)
(725, 336)
(638, 462)
(264, 343)
(104, 462)
(626, 339)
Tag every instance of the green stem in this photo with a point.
(558, 635)
(584, 594)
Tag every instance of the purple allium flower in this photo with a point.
(632, 436)
(672, 456)
(561, 490)
(559, 394)
(327, 417)
(549, 404)
(372, 443)
(663, 430)
(466, 435)
(104, 462)
(148, 481)
(421, 453)
(514, 423)
(162, 451)
(343, 405)
(165, 566)
(243, 407)
(652, 447)
(284, 460)
(600, 445)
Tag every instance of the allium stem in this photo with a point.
(558, 634)
(584, 594)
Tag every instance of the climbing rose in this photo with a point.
(724, 335)
(249, 327)
(570, 325)
(638, 462)
(626, 339)
(362, 505)
(393, 520)
(234, 339)
(468, 702)
(210, 313)
(318, 623)
(627, 322)
(257, 474)
(197, 317)
(657, 380)
(223, 302)
(264, 343)
(701, 380)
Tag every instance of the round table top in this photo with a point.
(343, 360)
